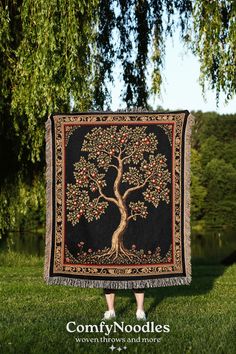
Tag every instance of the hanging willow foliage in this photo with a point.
(59, 54)
(54, 63)
(215, 43)
(46, 51)
(133, 32)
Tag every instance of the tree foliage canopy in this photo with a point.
(213, 169)
(58, 54)
(47, 57)
(54, 53)
(112, 149)
(214, 42)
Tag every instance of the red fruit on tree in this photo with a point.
(110, 139)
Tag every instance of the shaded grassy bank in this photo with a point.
(34, 316)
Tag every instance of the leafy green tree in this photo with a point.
(211, 147)
(57, 55)
(47, 58)
(213, 169)
(220, 205)
(135, 31)
(198, 191)
(213, 40)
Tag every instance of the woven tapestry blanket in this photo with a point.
(118, 199)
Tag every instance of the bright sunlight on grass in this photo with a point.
(34, 315)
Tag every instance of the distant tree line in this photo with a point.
(213, 170)
(213, 180)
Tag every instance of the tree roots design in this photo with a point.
(118, 252)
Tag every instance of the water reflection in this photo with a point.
(211, 245)
(31, 243)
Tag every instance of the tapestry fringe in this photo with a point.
(119, 284)
(49, 178)
(187, 195)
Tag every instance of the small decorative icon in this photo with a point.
(119, 348)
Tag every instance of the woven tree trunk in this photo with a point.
(117, 246)
(117, 148)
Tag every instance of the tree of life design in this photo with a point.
(132, 153)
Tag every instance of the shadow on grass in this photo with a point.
(203, 278)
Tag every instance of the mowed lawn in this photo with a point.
(33, 315)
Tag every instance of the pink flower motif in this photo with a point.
(82, 243)
(90, 250)
(85, 253)
(67, 259)
(134, 246)
(79, 245)
(169, 259)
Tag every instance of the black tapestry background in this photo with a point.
(146, 234)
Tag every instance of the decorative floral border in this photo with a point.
(128, 270)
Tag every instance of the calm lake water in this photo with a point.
(212, 245)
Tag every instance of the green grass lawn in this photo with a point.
(33, 315)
